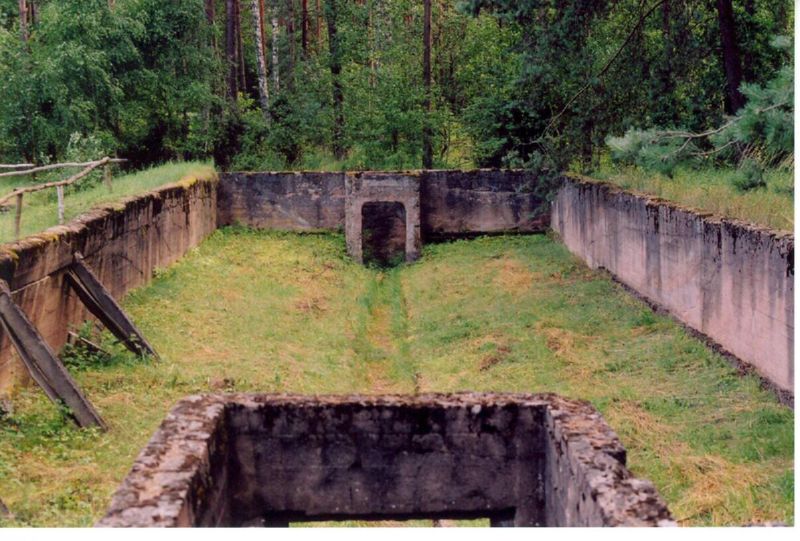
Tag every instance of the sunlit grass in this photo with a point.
(40, 209)
(712, 190)
(265, 311)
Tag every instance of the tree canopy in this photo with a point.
(292, 83)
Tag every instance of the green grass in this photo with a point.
(712, 190)
(40, 209)
(264, 311)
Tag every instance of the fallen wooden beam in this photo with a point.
(103, 306)
(74, 338)
(42, 363)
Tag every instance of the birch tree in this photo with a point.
(261, 61)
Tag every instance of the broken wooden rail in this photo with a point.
(16, 165)
(31, 169)
(58, 185)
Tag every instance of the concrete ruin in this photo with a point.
(519, 460)
(731, 282)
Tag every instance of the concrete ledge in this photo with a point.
(232, 460)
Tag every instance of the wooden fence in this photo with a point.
(28, 169)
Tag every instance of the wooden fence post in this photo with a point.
(60, 192)
(18, 216)
(107, 177)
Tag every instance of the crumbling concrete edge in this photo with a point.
(174, 466)
(584, 443)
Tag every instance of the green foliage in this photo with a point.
(761, 135)
(668, 74)
(136, 80)
(78, 355)
(749, 176)
(146, 80)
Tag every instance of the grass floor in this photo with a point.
(712, 190)
(263, 311)
(40, 209)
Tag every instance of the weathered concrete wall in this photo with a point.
(481, 201)
(731, 281)
(535, 460)
(301, 201)
(452, 203)
(122, 244)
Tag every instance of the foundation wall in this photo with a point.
(123, 245)
(232, 460)
(452, 203)
(730, 281)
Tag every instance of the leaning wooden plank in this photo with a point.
(103, 306)
(42, 363)
(4, 512)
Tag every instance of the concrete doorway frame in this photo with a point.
(372, 187)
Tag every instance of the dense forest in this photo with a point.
(267, 84)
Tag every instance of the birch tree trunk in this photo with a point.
(261, 61)
(289, 76)
(276, 80)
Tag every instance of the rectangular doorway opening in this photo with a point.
(383, 233)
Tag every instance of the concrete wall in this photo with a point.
(531, 460)
(731, 281)
(123, 245)
(286, 201)
(453, 203)
(456, 203)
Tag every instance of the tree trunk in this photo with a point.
(665, 114)
(211, 15)
(730, 57)
(318, 28)
(242, 70)
(290, 39)
(331, 13)
(231, 49)
(23, 20)
(276, 80)
(304, 27)
(261, 61)
(427, 136)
